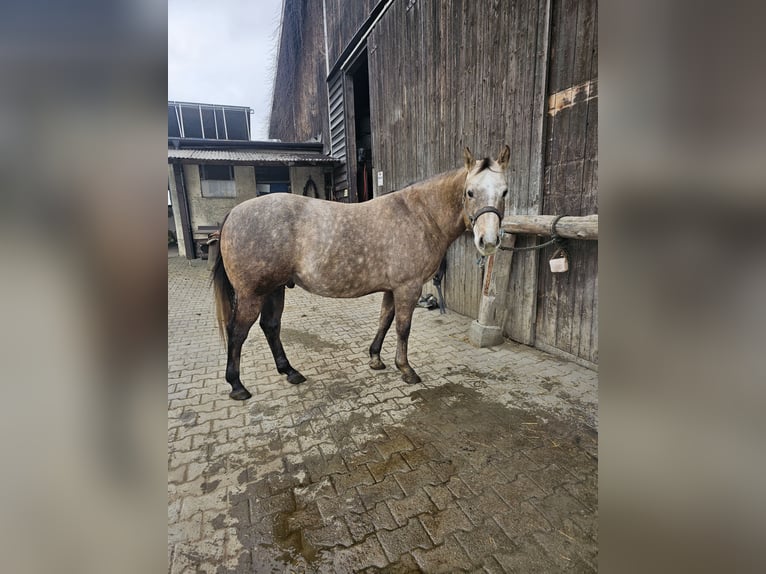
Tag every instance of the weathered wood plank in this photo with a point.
(567, 315)
(573, 227)
(531, 46)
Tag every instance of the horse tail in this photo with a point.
(224, 293)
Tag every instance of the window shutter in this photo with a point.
(338, 132)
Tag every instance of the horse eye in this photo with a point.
(505, 192)
(469, 193)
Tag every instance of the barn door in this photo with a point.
(359, 132)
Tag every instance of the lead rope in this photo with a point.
(560, 242)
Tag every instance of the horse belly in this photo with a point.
(343, 277)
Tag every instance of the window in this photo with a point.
(217, 180)
(216, 171)
(272, 179)
(192, 122)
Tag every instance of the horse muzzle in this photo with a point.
(487, 243)
(486, 235)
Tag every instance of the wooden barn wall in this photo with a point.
(567, 317)
(445, 74)
(450, 73)
(299, 102)
(344, 19)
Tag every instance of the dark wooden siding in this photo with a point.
(299, 103)
(454, 73)
(567, 316)
(344, 19)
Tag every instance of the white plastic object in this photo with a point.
(559, 265)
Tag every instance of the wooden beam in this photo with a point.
(572, 227)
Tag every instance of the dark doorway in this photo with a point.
(362, 129)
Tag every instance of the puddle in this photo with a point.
(308, 340)
(453, 439)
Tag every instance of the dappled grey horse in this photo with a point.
(392, 244)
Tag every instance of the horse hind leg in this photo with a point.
(245, 314)
(271, 324)
(386, 318)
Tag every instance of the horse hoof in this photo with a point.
(411, 378)
(295, 378)
(240, 394)
(377, 364)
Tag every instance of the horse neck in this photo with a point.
(441, 199)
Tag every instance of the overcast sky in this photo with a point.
(224, 53)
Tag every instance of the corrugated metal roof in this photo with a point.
(260, 157)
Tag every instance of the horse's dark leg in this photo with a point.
(245, 314)
(271, 323)
(386, 318)
(405, 299)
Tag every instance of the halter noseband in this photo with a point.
(482, 211)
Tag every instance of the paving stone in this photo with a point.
(459, 489)
(484, 541)
(357, 470)
(409, 506)
(521, 520)
(364, 523)
(561, 509)
(440, 523)
(283, 502)
(395, 463)
(551, 477)
(334, 534)
(186, 530)
(358, 476)
(447, 557)
(477, 508)
(519, 490)
(404, 539)
(564, 551)
(414, 480)
(331, 508)
(368, 553)
(423, 455)
(397, 443)
(440, 495)
(387, 489)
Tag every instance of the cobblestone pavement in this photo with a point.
(488, 465)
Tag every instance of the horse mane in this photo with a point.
(486, 163)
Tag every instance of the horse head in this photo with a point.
(484, 199)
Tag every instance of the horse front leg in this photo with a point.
(245, 314)
(271, 324)
(386, 318)
(405, 299)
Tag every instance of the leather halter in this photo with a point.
(471, 219)
(482, 211)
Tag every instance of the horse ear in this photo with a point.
(504, 157)
(469, 161)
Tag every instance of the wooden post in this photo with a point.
(487, 330)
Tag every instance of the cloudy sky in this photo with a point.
(224, 53)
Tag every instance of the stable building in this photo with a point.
(220, 167)
(395, 89)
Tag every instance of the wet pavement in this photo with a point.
(489, 465)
